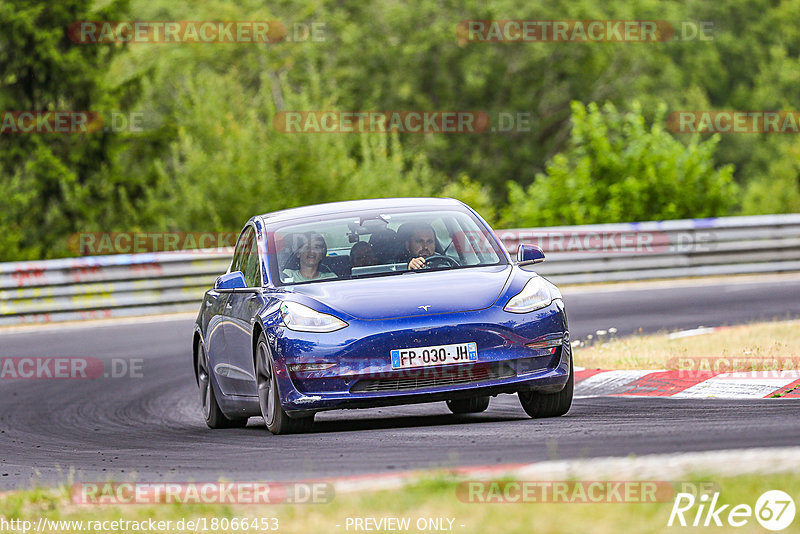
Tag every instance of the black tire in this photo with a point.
(539, 405)
(208, 400)
(473, 405)
(277, 420)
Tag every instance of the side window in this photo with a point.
(242, 246)
(252, 272)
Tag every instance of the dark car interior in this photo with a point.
(388, 247)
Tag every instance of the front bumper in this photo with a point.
(361, 374)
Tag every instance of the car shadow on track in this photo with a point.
(356, 423)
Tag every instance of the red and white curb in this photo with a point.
(688, 384)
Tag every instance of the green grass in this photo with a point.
(755, 347)
(434, 497)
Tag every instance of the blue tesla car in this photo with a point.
(374, 303)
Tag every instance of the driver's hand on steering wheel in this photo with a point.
(416, 263)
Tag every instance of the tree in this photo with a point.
(50, 180)
(617, 169)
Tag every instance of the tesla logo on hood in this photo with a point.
(424, 307)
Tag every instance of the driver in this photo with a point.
(420, 243)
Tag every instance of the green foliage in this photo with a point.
(208, 156)
(778, 189)
(474, 195)
(228, 160)
(48, 179)
(617, 169)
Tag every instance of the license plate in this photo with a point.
(437, 355)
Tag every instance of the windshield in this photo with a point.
(379, 243)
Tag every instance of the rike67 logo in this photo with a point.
(774, 510)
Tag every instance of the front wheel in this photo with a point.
(208, 400)
(277, 420)
(473, 405)
(539, 405)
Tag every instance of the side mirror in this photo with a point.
(529, 254)
(230, 282)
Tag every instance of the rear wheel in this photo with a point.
(208, 400)
(539, 405)
(277, 420)
(473, 405)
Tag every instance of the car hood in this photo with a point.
(406, 295)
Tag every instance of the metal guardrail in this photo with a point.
(161, 282)
(107, 286)
(665, 249)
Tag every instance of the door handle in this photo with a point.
(228, 306)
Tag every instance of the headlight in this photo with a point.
(535, 295)
(304, 319)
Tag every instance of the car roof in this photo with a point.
(355, 205)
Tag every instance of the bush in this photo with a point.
(778, 190)
(474, 194)
(616, 169)
(229, 162)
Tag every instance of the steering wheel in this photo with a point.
(430, 261)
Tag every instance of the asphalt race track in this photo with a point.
(150, 428)
(678, 308)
